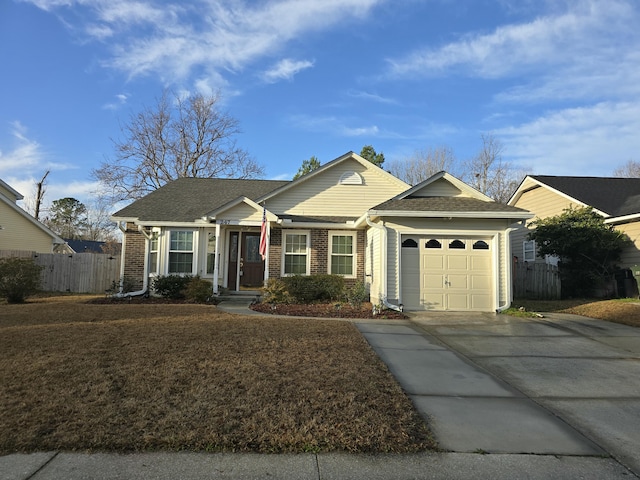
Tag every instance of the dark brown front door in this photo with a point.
(249, 264)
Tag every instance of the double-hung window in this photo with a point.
(211, 252)
(181, 251)
(529, 251)
(296, 253)
(342, 253)
(153, 253)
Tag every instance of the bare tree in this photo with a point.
(631, 169)
(99, 226)
(40, 194)
(489, 173)
(422, 164)
(177, 137)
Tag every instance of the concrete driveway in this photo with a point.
(560, 385)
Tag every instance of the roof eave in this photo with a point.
(623, 219)
(451, 214)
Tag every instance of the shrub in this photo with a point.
(275, 291)
(171, 286)
(19, 278)
(128, 285)
(313, 288)
(199, 290)
(357, 294)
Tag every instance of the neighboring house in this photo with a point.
(616, 199)
(440, 245)
(19, 230)
(85, 246)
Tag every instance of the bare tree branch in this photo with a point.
(177, 137)
(422, 164)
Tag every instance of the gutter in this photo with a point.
(383, 264)
(502, 308)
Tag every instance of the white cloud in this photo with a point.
(576, 141)
(121, 99)
(591, 29)
(285, 69)
(373, 97)
(23, 154)
(175, 39)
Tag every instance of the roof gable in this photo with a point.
(347, 186)
(30, 219)
(443, 184)
(445, 195)
(349, 156)
(609, 196)
(9, 192)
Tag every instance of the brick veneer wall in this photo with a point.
(319, 253)
(134, 255)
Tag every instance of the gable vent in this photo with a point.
(351, 178)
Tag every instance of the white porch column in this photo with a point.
(266, 259)
(216, 262)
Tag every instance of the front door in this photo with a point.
(248, 267)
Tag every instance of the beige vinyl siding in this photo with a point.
(504, 265)
(18, 233)
(242, 213)
(543, 203)
(8, 194)
(631, 255)
(439, 188)
(322, 194)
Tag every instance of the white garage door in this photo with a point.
(447, 273)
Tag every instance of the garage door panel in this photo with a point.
(457, 262)
(481, 303)
(435, 281)
(433, 262)
(458, 281)
(480, 264)
(480, 282)
(432, 301)
(458, 301)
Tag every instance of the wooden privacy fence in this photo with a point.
(536, 281)
(77, 272)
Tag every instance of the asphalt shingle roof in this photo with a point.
(187, 199)
(446, 204)
(615, 196)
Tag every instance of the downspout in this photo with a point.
(509, 292)
(145, 278)
(383, 265)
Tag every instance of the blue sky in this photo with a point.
(557, 82)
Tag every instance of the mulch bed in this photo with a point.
(326, 310)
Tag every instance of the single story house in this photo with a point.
(616, 199)
(19, 230)
(439, 245)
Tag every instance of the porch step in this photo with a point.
(244, 297)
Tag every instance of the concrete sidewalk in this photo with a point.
(201, 466)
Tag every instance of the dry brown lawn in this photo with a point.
(626, 311)
(78, 376)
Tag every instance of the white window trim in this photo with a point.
(194, 251)
(354, 253)
(526, 251)
(156, 232)
(284, 248)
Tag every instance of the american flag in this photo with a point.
(263, 234)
